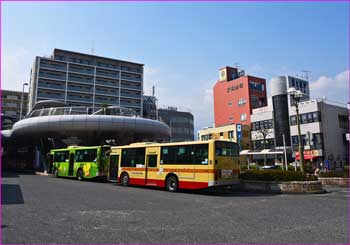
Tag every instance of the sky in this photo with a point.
(183, 45)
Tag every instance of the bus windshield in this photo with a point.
(227, 149)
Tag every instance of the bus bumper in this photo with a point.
(223, 182)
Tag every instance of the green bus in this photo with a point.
(81, 162)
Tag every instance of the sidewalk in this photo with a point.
(43, 173)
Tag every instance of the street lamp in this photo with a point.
(296, 95)
(20, 114)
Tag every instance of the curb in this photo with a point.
(43, 174)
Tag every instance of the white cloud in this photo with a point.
(334, 88)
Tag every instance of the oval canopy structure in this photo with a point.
(93, 129)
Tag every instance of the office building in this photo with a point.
(11, 107)
(235, 132)
(150, 107)
(180, 121)
(86, 80)
(323, 125)
(236, 95)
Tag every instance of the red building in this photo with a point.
(235, 95)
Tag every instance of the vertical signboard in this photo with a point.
(239, 134)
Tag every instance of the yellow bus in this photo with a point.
(180, 165)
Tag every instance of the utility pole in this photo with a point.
(285, 152)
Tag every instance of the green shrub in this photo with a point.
(292, 168)
(245, 167)
(335, 174)
(276, 175)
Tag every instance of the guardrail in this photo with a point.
(81, 110)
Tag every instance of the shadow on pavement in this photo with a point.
(11, 194)
(15, 174)
(223, 192)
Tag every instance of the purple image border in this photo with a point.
(137, 1)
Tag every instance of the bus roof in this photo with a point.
(145, 144)
(79, 148)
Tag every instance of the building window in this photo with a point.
(343, 121)
(293, 120)
(256, 86)
(241, 85)
(230, 134)
(243, 117)
(230, 119)
(306, 118)
(229, 104)
(221, 133)
(242, 102)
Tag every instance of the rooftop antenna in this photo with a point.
(306, 74)
(236, 65)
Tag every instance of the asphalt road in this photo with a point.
(41, 209)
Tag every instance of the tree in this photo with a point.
(264, 132)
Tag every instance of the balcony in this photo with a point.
(80, 90)
(81, 80)
(137, 96)
(134, 79)
(129, 69)
(102, 73)
(81, 70)
(79, 98)
(133, 104)
(50, 95)
(130, 86)
(106, 101)
(51, 86)
(107, 83)
(51, 66)
(61, 77)
(107, 92)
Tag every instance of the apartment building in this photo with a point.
(80, 79)
(11, 107)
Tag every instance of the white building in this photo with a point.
(323, 125)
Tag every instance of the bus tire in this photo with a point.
(124, 179)
(55, 173)
(172, 183)
(80, 174)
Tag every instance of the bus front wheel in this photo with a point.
(80, 175)
(172, 183)
(55, 173)
(124, 179)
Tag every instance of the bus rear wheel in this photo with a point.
(172, 183)
(80, 175)
(55, 173)
(124, 179)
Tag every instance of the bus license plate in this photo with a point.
(226, 173)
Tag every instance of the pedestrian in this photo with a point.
(326, 165)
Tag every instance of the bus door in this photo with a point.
(71, 164)
(51, 162)
(151, 171)
(113, 167)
